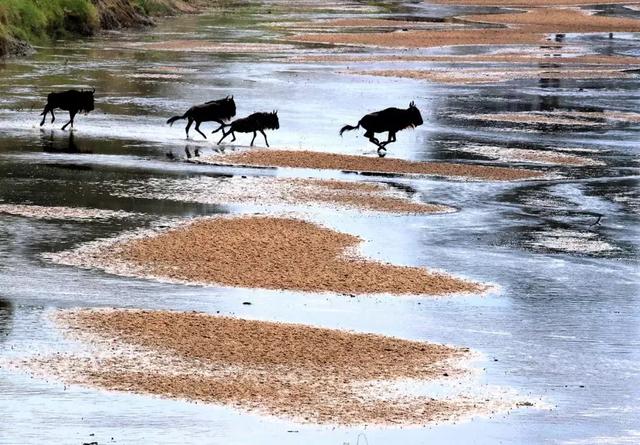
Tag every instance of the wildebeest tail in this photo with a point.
(171, 120)
(349, 128)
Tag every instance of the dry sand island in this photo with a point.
(261, 252)
(303, 373)
(331, 161)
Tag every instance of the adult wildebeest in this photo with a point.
(391, 120)
(253, 123)
(218, 111)
(72, 101)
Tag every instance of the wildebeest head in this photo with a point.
(415, 117)
(87, 100)
(272, 120)
(228, 106)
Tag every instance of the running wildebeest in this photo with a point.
(253, 123)
(72, 101)
(391, 120)
(218, 111)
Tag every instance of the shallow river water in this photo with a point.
(562, 328)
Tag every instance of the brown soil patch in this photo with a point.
(550, 20)
(262, 191)
(478, 76)
(308, 374)
(426, 39)
(331, 161)
(262, 252)
(204, 46)
(532, 3)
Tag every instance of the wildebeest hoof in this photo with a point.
(382, 152)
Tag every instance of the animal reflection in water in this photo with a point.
(389, 120)
(73, 101)
(52, 145)
(219, 111)
(252, 124)
(6, 317)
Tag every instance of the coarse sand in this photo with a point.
(303, 373)
(426, 39)
(261, 252)
(560, 20)
(321, 160)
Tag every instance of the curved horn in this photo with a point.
(94, 90)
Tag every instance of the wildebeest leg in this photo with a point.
(219, 128)
(72, 115)
(390, 139)
(198, 129)
(265, 137)
(254, 138)
(44, 115)
(188, 126)
(53, 116)
(224, 135)
(372, 137)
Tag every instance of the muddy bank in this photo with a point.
(260, 252)
(330, 161)
(303, 373)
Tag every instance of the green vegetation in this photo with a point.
(35, 20)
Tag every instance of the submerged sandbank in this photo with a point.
(268, 192)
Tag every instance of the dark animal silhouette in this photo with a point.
(72, 101)
(218, 111)
(389, 120)
(253, 123)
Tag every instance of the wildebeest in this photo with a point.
(72, 101)
(218, 111)
(253, 123)
(391, 120)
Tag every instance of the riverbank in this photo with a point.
(23, 22)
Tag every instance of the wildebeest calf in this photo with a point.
(391, 120)
(218, 111)
(72, 101)
(253, 123)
